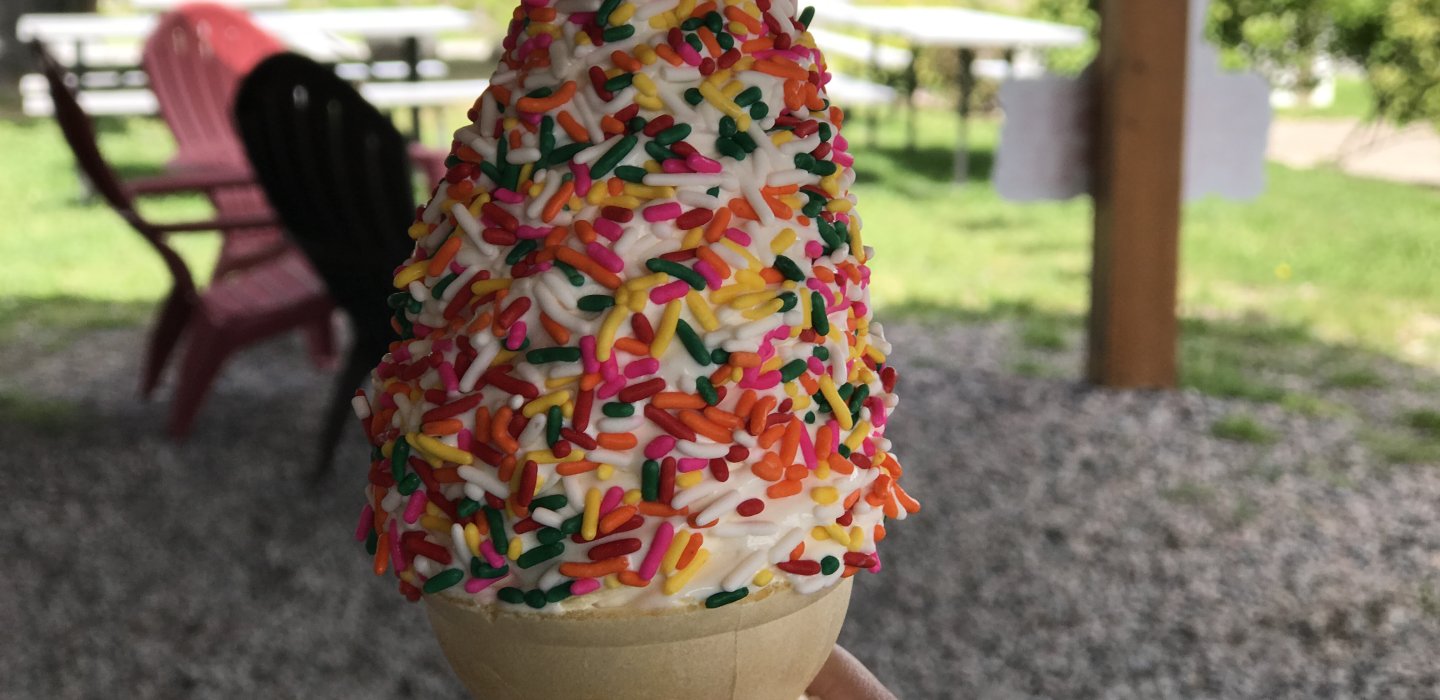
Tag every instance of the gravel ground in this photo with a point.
(1075, 543)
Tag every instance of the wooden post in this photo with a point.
(1139, 127)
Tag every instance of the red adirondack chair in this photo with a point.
(260, 299)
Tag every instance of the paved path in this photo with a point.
(1407, 154)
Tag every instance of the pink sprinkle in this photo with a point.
(442, 345)
(807, 448)
(659, 447)
(492, 557)
(581, 586)
(415, 506)
(611, 500)
(610, 388)
(608, 229)
(691, 464)
(610, 371)
(860, 309)
(362, 529)
(475, 585)
(516, 337)
(835, 430)
(387, 400)
(532, 231)
(661, 542)
(402, 353)
(456, 267)
(606, 257)
(587, 354)
(875, 569)
(780, 333)
(447, 376)
(701, 164)
(640, 368)
(674, 165)
(582, 18)
(662, 212)
(581, 172)
(877, 411)
(712, 278)
(463, 438)
(397, 557)
(508, 196)
(421, 330)
(813, 249)
(669, 292)
(738, 236)
(768, 380)
(690, 55)
(815, 365)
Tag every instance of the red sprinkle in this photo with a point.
(803, 567)
(614, 548)
(750, 507)
(641, 390)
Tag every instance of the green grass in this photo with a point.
(1239, 427)
(1352, 99)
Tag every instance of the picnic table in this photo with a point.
(967, 31)
(316, 33)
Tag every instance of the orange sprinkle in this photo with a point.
(747, 399)
(723, 417)
(794, 94)
(879, 532)
(852, 498)
(911, 505)
(759, 413)
(781, 68)
(617, 441)
(745, 359)
(501, 93)
(839, 464)
(625, 61)
(768, 468)
(545, 104)
(824, 274)
(611, 125)
(807, 381)
(583, 263)
(796, 472)
(770, 436)
(716, 228)
(572, 127)
(448, 426)
(664, 51)
(721, 267)
(479, 323)
(590, 381)
(707, 38)
(632, 346)
(812, 98)
(691, 547)
(507, 468)
(500, 431)
(849, 571)
(557, 201)
(541, 14)
(757, 45)
(515, 139)
(559, 333)
(790, 443)
(742, 209)
(677, 399)
(443, 256)
(630, 578)
(482, 422)
(596, 569)
(797, 552)
(448, 476)
(702, 425)
(703, 9)
(615, 186)
(584, 231)
(822, 441)
(772, 275)
(382, 558)
(783, 489)
(573, 468)
(653, 509)
(735, 14)
(616, 518)
(460, 191)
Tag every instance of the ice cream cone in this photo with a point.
(762, 649)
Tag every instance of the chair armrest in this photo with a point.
(189, 181)
(218, 223)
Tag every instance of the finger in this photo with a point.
(843, 677)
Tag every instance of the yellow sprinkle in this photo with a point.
(472, 538)
(819, 533)
(676, 581)
(684, 8)
(649, 191)
(751, 279)
(770, 364)
(782, 137)
(804, 311)
(701, 311)
(548, 457)
(862, 431)
(751, 259)
(605, 339)
(483, 287)
(435, 448)
(782, 241)
(672, 555)
(649, 102)
(643, 283)
(412, 272)
(419, 230)
(798, 395)
(567, 409)
(632, 497)
(693, 237)
(645, 54)
(622, 296)
(760, 312)
(582, 39)
(622, 14)
(838, 534)
(831, 184)
(535, 189)
(732, 89)
(689, 479)
(822, 470)
(661, 21)
(840, 205)
(590, 521)
(714, 96)
(596, 195)
(857, 246)
(763, 577)
(434, 523)
(557, 382)
(751, 300)
(504, 356)
(409, 576)
(837, 406)
(857, 538)
(665, 332)
(543, 404)
(612, 581)
(515, 549)
(625, 200)
(824, 495)
(605, 471)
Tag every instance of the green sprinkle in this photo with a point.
(554, 501)
(824, 131)
(547, 135)
(789, 269)
(408, 485)
(440, 286)
(443, 580)
(714, 22)
(694, 42)
(792, 369)
(759, 110)
(571, 525)
(728, 147)
(748, 96)
(548, 535)
(489, 170)
(831, 236)
(829, 565)
(726, 597)
(497, 530)
(845, 391)
(692, 342)
(619, 82)
(535, 598)
(744, 141)
(612, 157)
(630, 173)
(602, 15)
(511, 594)
(480, 569)
(673, 134)
(804, 161)
(788, 300)
(806, 16)
(677, 271)
(706, 390)
(692, 24)
(659, 152)
(452, 161)
(398, 457)
(719, 356)
(636, 123)
(650, 480)
(728, 127)
(554, 420)
(539, 554)
(576, 279)
(858, 399)
(824, 167)
(615, 409)
(813, 207)
(725, 41)
(713, 191)
(821, 352)
(521, 249)
(809, 416)
(541, 92)
(620, 33)
(595, 302)
(562, 154)
(844, 451)
(693, 96)
(398, 300)
(558, 593)
(560, 354)
(818, 320)
(371, 541)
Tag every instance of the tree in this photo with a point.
(1281, 38)
(1398, 44)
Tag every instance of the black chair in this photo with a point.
(338, 174)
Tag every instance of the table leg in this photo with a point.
(967, 89)
(912, 82)
(412, 60)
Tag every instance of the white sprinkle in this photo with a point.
(589, 155)
(704, 450)
(740, 576)
(483, 480)
(548, 518)
(718, 508)
(485, 353)
(701, 180)
(746, 528)
(695, 493)
(781, 551)
(361, 406)
(457, 538)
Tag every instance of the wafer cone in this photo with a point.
(768, 648)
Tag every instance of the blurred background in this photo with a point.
(1178, 438)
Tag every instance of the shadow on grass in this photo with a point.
(1250, 359)
(45, 324)
(933, 163)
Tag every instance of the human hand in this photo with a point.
(843, 677)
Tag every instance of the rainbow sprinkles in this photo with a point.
(637, 363)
